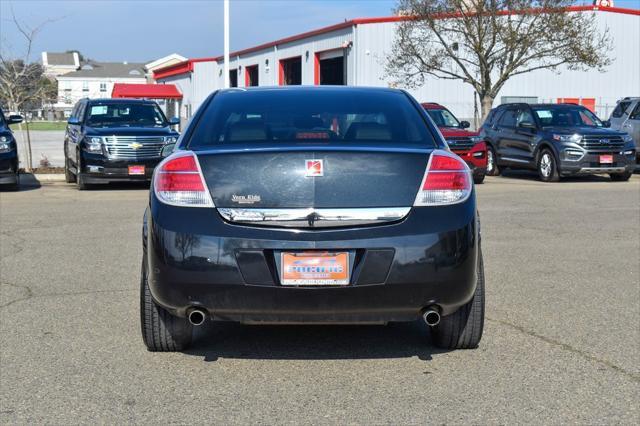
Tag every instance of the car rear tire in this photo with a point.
(463, 329)
(492, 164)
(161, 331)
(620, 177)
(548, 167)
(478, 179)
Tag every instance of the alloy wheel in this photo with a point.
(546, 165)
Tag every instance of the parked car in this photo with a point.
(311, 205)
(556, 140)
(9, 177)
(114, 140)
(467, 144)
(626, 118)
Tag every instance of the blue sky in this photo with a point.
(143, 30)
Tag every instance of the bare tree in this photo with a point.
(22, 82)
(484, 43)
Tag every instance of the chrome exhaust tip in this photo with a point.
(431, 316)
(197, 317)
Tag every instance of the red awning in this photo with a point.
(149, 91)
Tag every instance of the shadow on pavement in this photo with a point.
(27, 182)
(533, 176)
(119, 186)
(312, 342)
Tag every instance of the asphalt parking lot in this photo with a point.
(561, 343)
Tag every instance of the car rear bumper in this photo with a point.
(231, 271)
(590, 163)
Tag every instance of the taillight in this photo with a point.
(178, 181)
(447, 180)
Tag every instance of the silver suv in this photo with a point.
(626, 118)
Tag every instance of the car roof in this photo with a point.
(546, 105)
(305, 89)
(119, 100)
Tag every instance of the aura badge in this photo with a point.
(135, 145)
(314, 168)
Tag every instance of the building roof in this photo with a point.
(187, 66)
(107, 70)
(169, 58)
(61, 59)
(149, 91)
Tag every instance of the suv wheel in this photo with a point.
(492, 165)
(548, 167)
(620, 177)
(463, 329)
(161, 331)
(478, 179)
(68, 176)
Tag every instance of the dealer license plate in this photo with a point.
(136, 170)
(315, 268)
(606, 159)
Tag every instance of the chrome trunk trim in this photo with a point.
(313, 218)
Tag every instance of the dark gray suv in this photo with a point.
(556, 140)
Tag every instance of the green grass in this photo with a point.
(42, 125)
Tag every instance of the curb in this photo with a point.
(58, 177)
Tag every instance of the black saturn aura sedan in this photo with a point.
(311, 205)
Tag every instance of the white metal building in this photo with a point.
(354, 53)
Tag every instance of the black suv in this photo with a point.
(8, 152)
(111, 140)
(556, 140)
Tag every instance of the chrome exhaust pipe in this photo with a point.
(197, 316)
(431, 316)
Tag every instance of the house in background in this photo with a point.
(96, 80)
(56, 64)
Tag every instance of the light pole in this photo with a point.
(226, 44)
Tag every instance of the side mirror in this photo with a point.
(74, 121)
(167, 149)
(465, 124)
(527, 125)
(174, 121)
(606, 123)
(15, 119)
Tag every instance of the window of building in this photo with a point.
(290, 71)
(85, 86)
(233, 78)
(103, 87)
(251, 76)
(330, 67)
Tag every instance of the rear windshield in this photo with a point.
(567, 116)
(125, 115)
(313, 116)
